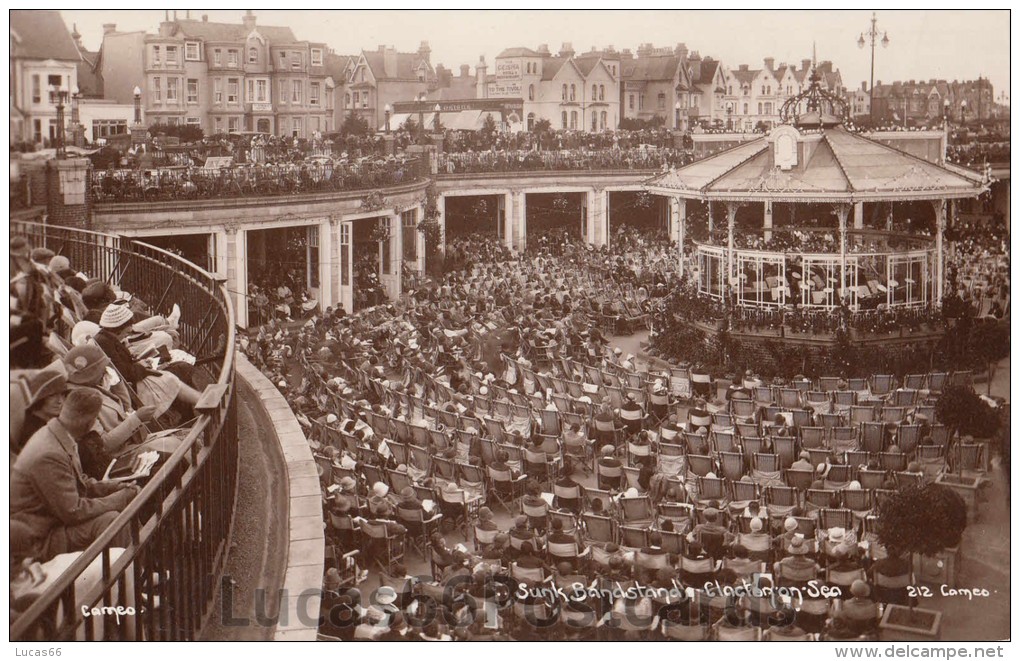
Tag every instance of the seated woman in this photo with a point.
(153, 388)
(36, 398)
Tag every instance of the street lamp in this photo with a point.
(676, 122)
(729, 115)
(437, 109)
(873, 35)
(963, 112)
(421, 118)
(387, 111)
(138, 105)
(61, 96)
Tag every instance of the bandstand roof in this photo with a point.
(831, 165)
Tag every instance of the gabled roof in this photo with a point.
(406, 65)
(519, 51)
(459, 88)
(551, 66)
(745, 76)
(336, 66)
(708, 69)
(842, 167)
(587, 64)
(88, 81)
(42, 35)
(657, 67)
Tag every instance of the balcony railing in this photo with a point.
(573, 159)
(180, 523)
(184, 183)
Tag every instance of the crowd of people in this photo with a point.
(575, 159)
(101, 392)
(485, 426)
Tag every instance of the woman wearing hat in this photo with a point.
(152, 387)
(117, 424)
(36, 398)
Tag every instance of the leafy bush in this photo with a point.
(963, 410)
(185, 132)
(922, 519)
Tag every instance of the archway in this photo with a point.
(553, 218)
(263, 126)
(283, 272)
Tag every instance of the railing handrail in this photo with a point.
(192, 443)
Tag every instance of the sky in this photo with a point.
(923, 44)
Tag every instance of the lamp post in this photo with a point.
(872, 34)
(61, 98)
(676, 120)
(729, 115)
(387, 111)
(436, 121)
(963, 112)
(138, 105)
(421, 118)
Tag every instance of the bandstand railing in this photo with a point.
(164, 584)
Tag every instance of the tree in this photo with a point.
(543, 129)
(923, 519)
(356, 125)
(964, 412)
(410, 125)
(488, 131)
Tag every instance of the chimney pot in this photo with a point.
(205, 18)
(465, 70)
(109, 28)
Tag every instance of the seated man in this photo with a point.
(65, 509)
(860, 611)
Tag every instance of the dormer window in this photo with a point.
(191, 51)
(253, 55)
(295, 62)
(316, 57)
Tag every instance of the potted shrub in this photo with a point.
(925, 521)
(965, 413)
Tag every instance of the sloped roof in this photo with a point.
(519, 51)
(658, 67)
(587, 64)
(843, 167)
(459, 89)
(745, 76)
(208, 31)
(88, 81)
(406, 65)
(42, 35)
(335, 66)
(708, 69)
(551, 66)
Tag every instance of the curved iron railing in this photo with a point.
(179, 525)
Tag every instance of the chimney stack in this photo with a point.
(681, 50)
(465, 70)
(567, 49)
(481, 86)
(424, 51)
(864, 86)
(248, 21)
(770, 63)
(805, 65)
(543, 49)
(109, 28)
(205, 18)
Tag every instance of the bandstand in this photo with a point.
(813, 169)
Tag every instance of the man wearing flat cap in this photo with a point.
(65, 509)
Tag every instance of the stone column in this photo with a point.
(598, 234)
(767, 221)
(680, 205)
(516, 222)
(67, 193)
(441, 219)
(889, 219)
(237, 271)
(603, 217)
(397, 253)
(218, 251)
(859, 216)
(327, 263)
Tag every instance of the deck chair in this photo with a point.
(722, 441)
(742, 408)
(766, 462)
(592, 494)
(781, 497)
(631, 477)
(722, 421)
(801, 418)
(819, 498)
(893, 414)
(859, 414)
(907, 438)
(932, 459)
(696, 443)
(637, 511)
(700, 465)
(711, 489)
(843, 400)
(844, 579)
(838, 477)
(892, 461)
(871, 479)
(828, 383)
(882, 384)
(873, 437)
(798, 479)
(633, 537)
(743, 492)
(681, 514)
(905, 479)
(915, 381)
(763, 396)
(904, 398)
(789, 398)
(597, 528)
(829, 420)
(384, 547)
(745, 429)
(812, 437)
(841, 517)
(858, 500)
(506, 489)
(940, 435)
(844, 439)
(732, 465)
(937, 381)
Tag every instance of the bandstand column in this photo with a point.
(679, 207)
(940, 262)
(441, 219)
(237, 273)
(889, 219)
(859, 216)
(842, 211)
(731, 219)
(328, 261)
(516, 229)
(767, 221)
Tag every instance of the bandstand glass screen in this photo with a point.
(908, 276)
(820, 280)
(761, 279)
(710, 272)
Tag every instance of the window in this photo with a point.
(296, 127)
(573, 92)
(219, 125)
(191, 52)
(313, 94)
(171, 55)
(641, 102)
(729, 90)
(768, 90)
(603, 119)
(573, 119)
(283, 91)
(232, 57)
(171, 90)
(102, 128)
(295, 95)
(662, 100)
(295, 61)
(283, 59)
(191, 121)
(217, 90)
(157, 93)
(759, 107)
(564, 92)
(192, 91)
(563, 117)
(763, 90)
(745, 109)
(594, 92)
(347, 100)
(316, 57)
(249, 94)
(36, 89)
(409, 221)
(233, 124)
(630, 104)
(155, 56)
(217, 57)
(594, 122)
(531, 92)
(345, 258)
(768, 108)
(173, 121)
(232, 90)
(36, 130)
(253, 55)
(384, 226)
(261, 91)
(602, 92)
